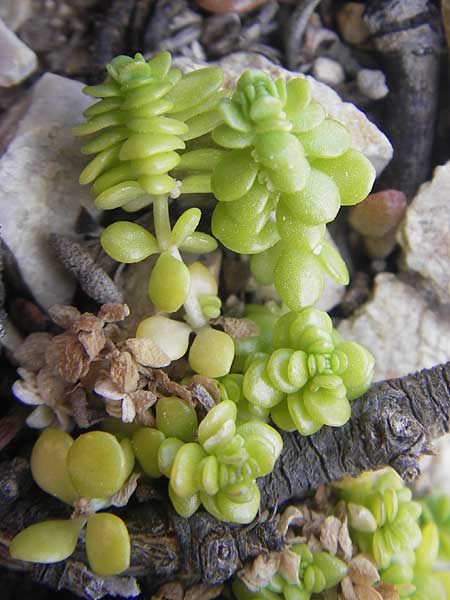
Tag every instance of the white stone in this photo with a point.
(425, 233)
(328, 71)
(404, 332)
(15, 12)
(366, 136)
(39, 189)
(372, 83)
(17, 61)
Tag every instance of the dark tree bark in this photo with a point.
(408, 37)
(394, 423)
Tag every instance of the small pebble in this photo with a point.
(350, 23)
(328, 70)
(372, 83)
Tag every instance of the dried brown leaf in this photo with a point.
(51, 387)
(83, 507)
(112, 313)
(147, 353)
(114, 408)
(31, 353)
(329, 534)
(83, 411)
(26, 393)
(388, 591)
(143, 400)
(66, 356)
(201, 396)
(169, 591)
(366, 592)
(87, 322)
(128, 409)
(314, 544)
(93, 342)
(64, 316)
(345, 541)
(165, 387)
(124, 372)
(362, 571)
(292, 517)
(42, 417)
(210, 385)
(258, 573)
(204, 591)
(238, 329)
(289, 566)
(348, 590)
(122, 497)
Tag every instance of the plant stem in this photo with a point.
(162, 221)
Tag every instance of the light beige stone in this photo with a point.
(425, 233)
(404, 332)
(39, 189)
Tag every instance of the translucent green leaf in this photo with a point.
(185, 507)
(233, 116)
(202, 124)
(293, 229)
(358, 375)
(328, 140)
(157, 125)
(169, 283)
(176, 418)
(160, 64)
(312, 116)
(325, 400)
(183, 477)
(118, 195)
(234, 175)
(263, 265)
(146, 442)
(300, 416)
(97, 123)
(298, 97)
(144, 94)
(102, 161)
(118, 174)
(298, 277)
(258, 388)
(318, 202)
(157, 185)
(204, 159)
(352, 172)
(103, 90)
(128, 242)
(211, 353)
(194, 87)
(227, 137)
(141, 145)
(105, 140)
(46, 542)
(199, 243)
(333, 263)
(283, 156)
(101, 107)
(196, 184)
(108, 545)
(185, 226)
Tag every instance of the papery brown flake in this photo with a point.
(67, 357)
(292, 517)
(124, 372)
(362, 571)
(237, 329)
(122, 497)
(329, 534)
(143, 400)
(83, 412)
(289, 566)
(112, 313)
(388, 591)
(348, 590)
(51, 388)
(31, 353)
(147, 353)
(257, 574)
(366, 592)
(210, 385)
(166, 387)
(345, 541)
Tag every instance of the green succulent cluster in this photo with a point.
(304, 376)
(219, 469)
(146, 113)
(287, 170)
(94, 467)
(383, 518)
(318, 571)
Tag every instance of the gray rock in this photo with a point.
(17, 61)
(372, 83)
(366, 136)
(402, 329)
(328, 71)
(425, 233)
(39, 189)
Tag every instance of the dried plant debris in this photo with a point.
(93, 279)
(90, 371)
